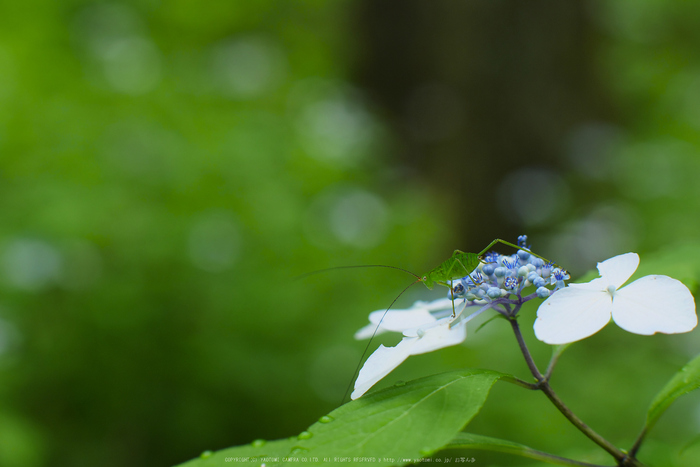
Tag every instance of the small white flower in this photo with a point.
(423, 332)
(398, 320)
(648, 305)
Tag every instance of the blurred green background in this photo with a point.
(168, 167)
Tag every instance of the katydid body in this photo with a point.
(459, 265)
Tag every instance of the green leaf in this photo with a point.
(686, 380)
(690, 445)
(401, 424)
(251, 454)
(486, 443)
(394, 426)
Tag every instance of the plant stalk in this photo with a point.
(621, 457)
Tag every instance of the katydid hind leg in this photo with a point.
(490, 245)
(467, 269)
(498, 240)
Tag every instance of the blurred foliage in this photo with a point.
(167, 167)
(166, 170)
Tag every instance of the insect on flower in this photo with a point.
(462, 264)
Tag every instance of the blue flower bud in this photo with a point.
(532, 276)
(537, 262)
(560, 274)
(488, 269)
(500, 271)
(457, 291)
(494, 292)
(522, 241)
(539, 282)
(523, 271)
(547, 269)
(558, 277)
(523, 255)
(491, 257)
(543, 292)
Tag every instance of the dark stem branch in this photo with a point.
(621, 458)
(525, 351)
(638, 443)
(521, 383)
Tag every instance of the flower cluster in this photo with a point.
(498, 283)
(500, 280)
(648, 305)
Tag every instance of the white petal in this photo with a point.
(395, 320)
(570, 314)
(618, 269)
(380, 364)
(440, 336)
(655, 304)
(599, 284)
(385, 359)
(439, 304)
(399, 320)
(446, 321)
(368, 331)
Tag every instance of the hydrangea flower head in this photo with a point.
(648, 305)
(497, 284)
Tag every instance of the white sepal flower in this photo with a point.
(422, 332)
(399, 320)
(646, 306)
